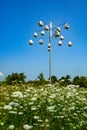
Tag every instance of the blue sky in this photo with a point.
(19, 20)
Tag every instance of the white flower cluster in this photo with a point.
(45, 108)
(27, 127)
(17, 94)
(72, 86)
(7, 107)
(51, 108)
(11, 127)
(13, 104)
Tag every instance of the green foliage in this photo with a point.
(81, 81)
(41, 76)
(18, 78)
(40, 82)
(53, 78)
(43, 108)
(65, 80)
(15, 78)
(76, 80)
(41, 79)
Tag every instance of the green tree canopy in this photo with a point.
(81, 81)
(65, 80)
(53, 78)
(15, 77)
(41, 76)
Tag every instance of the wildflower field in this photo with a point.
(45, 107)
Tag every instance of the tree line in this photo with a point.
(18, 78)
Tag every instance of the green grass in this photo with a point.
(43, 108)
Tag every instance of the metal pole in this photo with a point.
(50, 52)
